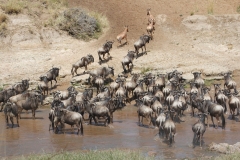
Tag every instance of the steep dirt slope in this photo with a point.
(207, 42)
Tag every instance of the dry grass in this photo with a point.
(238, 9)
(13, 6)
(210, 7)
(3, 24)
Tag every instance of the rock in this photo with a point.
(82, 79)
(48, 100)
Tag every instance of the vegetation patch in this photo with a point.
(13, 6)
(145, 70)
(209, 82)
(238, 9)
(3, 24)
(210, 7)
(81, 25)
(90, 155)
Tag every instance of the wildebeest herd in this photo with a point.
(160, 98)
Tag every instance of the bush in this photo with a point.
(3, 24)
(79, 24)
(13, 7)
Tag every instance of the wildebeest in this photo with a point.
(68, 117)
(105, 93)
(65, 94)
(220, 97)
(160, 120)
(94, 110)
(143, 111)
(5, 95)
(30, 103)
(234, 103)
(198, 79)
(22, 86)
(11, 110)
(229, 83)
(215, 110)
(199, 129)
(123, 35)
(43, 85)
(132, 84)
(51, 75)
(169, 127)
(160, 81)
(105, 49)
(127, 60)
(83, 62)
(143, 40)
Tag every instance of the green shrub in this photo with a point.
(79, 24)
(145, 70)
(13, 6)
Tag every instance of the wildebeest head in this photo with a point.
(111, 71)
(145, 38)
(90, 58)
(25, 82)
(196, 74)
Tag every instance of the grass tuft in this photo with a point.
(210, 7)
(145, 70)
(3, 24)
(238, 9)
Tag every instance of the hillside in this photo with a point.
(196, 35)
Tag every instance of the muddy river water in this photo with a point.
(33, 136)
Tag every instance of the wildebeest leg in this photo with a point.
(192, 111)
(111, 117)
(212, 121)
(200, 140)
(218, 122)
(76, 70)
(55, 81)
(104, 55)
(145, 49)
(6, 119)
(1, 107)
(99, 57)
(33, 113)
(11, 119)
(63, 127)
(139, 120)
(94, 118)
(51, 87)
(17, 121)
(232, 111)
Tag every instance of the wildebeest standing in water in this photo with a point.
(11, 110)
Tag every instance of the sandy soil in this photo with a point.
(206, 42)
